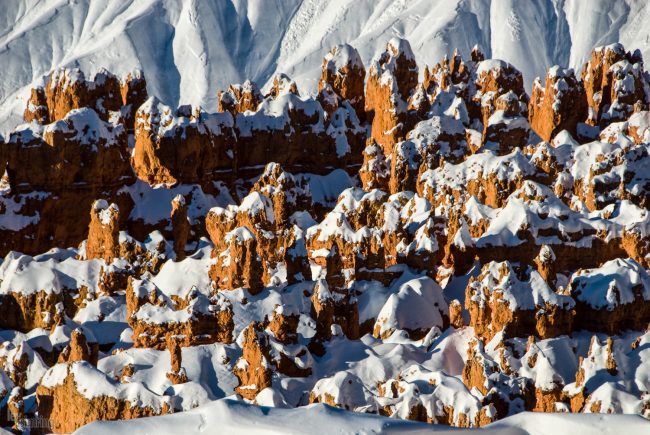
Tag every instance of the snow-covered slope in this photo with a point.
(189, 48)
(234, 417)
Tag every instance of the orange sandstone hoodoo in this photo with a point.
(456, 184)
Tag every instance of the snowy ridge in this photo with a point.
(190, 49)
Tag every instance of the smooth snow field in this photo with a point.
(233, 417)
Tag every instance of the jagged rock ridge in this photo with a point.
(473, 251)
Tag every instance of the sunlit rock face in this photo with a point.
(449, 250)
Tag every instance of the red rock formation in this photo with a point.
(375, 172)
(187, 148)
(239, 264)
(16, 408)
(69, 163)
(196, 319)
(79, 150)
(284, 324)
(282, 85)
(75, 394)
(103, 231)
(177, 374)
(478, 367)
(560, 105)
(405, 164)
(448, 73)
(68, 89)
(480, 175)
(344, 72)
(545, 262)
(500, 301)
(597, 367)
(506, 129)
(180, 226)
(240, 98)
(607, 173)
(613, 81)
(428, 146)
(459, 250)
(36, 109)
(253, 369)
(80, 349)
(296, 259)
(269, 213)
(298, 133)
(551, 210)
(343, 390)
(334, 307)
(605, 295)
(638, 126)
(392, 78)
(494, 78)
(456, 314)
(419, 102)
(134, 94)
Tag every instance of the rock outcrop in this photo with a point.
(506, 128)
(604, 294)
(194, 319)
(499, 301)
(180, 226)
(75, 394)
(103, 231)
(240, 98)
(392, 78)
(68, 89)
(253, 369)
(614, 82)
(55, 172)
(457, 280)
(558, 105)
(494, 79)
(345, 74)
(80, 348)
(239, 265)
(177, 373)
(187, 146)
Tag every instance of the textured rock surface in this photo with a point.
(103, 232)
(344, 72)
(614, 82)
(68, 408)
(558, 105)
(445, 251)
(392, 78)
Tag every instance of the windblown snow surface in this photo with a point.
(188, 49)
(233, 417)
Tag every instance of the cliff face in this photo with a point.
(182, 147)
(103, 231)
(343, 73)
(558, 105)
(55, 172)
(440, 251)
(68, 89)
(614, 83)
(392, 78)
(69, 404)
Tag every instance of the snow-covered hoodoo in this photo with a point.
(451, 250)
